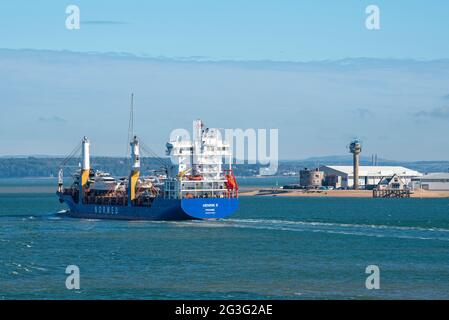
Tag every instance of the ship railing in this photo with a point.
(205, 180)
(203, 190)
(203, 186)
(193, 194)
(226, 194)
(208, 193)
(213, 188)
(117, 200)
(120, 200)
(73, 192)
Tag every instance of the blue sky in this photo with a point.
(296, 67)
(289, 30)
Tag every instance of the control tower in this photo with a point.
(355, 148)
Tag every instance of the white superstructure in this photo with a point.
(200, 162)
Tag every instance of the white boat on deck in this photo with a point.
(102, 181)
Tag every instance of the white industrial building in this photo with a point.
(369, 176)
(433, 181)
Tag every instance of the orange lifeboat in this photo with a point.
(195, 178)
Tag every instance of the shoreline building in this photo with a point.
(369, 176)
(311, 179)
(392, 183)
(433, 181)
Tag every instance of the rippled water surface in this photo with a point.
(273, 247)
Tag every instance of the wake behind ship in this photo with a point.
(196, 187)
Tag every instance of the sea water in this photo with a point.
(271, 248)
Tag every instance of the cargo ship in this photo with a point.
(198, 183)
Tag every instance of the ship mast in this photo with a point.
(85, 166)
(197, 148)
(135, 157)
(135, 170)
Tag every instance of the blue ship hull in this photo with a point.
(161, 209)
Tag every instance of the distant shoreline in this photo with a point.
(245, 191)
(259, 192)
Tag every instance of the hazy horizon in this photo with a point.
(311, 69)
(318, 107)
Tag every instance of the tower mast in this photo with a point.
(135, 170)
(356, 148)
(135, 156)
(85, 167)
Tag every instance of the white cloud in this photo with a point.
(308, 102)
